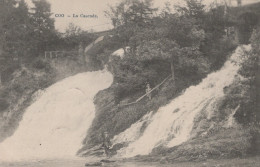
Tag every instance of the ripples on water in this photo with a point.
(75, 163)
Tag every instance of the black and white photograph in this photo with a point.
(129, 83)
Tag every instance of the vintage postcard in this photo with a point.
(129, 83)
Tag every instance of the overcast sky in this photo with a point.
(97, 7)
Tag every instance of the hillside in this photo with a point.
(114, 117)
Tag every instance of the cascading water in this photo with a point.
(57, 122)
(134, 132)
(172, 124)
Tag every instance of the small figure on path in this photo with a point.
(148, 89)
(239, 2)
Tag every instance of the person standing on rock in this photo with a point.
(106, 144)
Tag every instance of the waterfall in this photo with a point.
(172, 124)
(57, 122)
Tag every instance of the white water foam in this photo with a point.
(134, 132)
(172, 124)
(57, 122)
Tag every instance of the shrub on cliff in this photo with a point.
(243, 92)
(41, 64)
(249, 113)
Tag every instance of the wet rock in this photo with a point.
(107, 161)
(164, 160)
(94, 164)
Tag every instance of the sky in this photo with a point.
(96, 7)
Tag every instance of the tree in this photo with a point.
(129, 17)
(74, 37)
(245, 92)
(184, 27)
(162, 49)
(193, 9)
(181, 58)
(43, 25)
(14, 27)
(22, 28)
(41, 16)
(172, 38)
(166, 11)
(246, 24)
(72, 30)
(239, 2)
(177, 38)
(129, 12)
(6, 9)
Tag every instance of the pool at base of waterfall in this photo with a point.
(78, 163)
(245, 162)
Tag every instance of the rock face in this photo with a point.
(94, 164)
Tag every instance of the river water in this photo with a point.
(77, 163)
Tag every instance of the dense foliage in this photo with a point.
(73, 38)
(191, 41)
(249, 112)
(26, 33)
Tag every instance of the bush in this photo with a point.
(41, 64)
(247, 22)
(130, 75)
(249, 110)
(3, 104)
